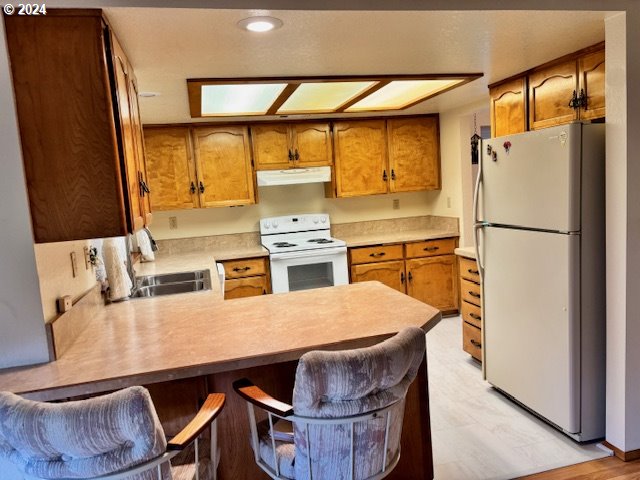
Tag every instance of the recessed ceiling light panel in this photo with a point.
(240, 99)
(260, 24)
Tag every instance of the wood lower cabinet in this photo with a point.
(424, 270)
(471, 307)
(246, 277)
(79, 126)
(199, 167)
(509, 107)
(282, 145)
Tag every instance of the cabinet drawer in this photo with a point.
(429, 248)
(470, 292)
(471, 314)
(469, 269)
(472, 340)
(245, 287)
(244, 268)
(376, 254)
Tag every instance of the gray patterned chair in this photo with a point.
(114, 436)
(347, 412)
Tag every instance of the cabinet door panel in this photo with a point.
(389, 273)
(245, 287)
(508, 108)
(433, 280)
(312, 144)
(360, 158)
(591, 68)
(170, 168)
(414, 154)
(129, 148)
(271, 145)
(550, 91)
(224, 166)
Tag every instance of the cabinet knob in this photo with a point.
(393, 174)
(409, 276)
(402, 277)
(384, 175)
(192, 189)
(201, 187)
(297, 155)
(290, 156)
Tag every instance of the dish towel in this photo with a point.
(144, 244)
(119, 281)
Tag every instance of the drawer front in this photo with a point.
(471, 314)
(376, 254)
(244, 268)
(469, 269)
(470, 292)
(430, 248)
(472, 341)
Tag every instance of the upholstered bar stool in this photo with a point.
(347, 412)
(114, 436)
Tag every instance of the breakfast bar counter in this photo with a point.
(199, 337)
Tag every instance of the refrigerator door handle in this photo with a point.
(476, 240)
(476, 192)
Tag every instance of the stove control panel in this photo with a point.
(294, 223)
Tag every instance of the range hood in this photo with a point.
(293, 176)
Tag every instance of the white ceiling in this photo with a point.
(167, 46)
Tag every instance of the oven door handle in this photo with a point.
(308, 254)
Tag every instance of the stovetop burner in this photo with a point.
(320, 240)
(284, 244)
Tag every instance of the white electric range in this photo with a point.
(302, 252)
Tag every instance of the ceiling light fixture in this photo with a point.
(260, 24)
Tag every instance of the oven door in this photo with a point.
(308, 269)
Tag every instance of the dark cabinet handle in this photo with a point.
(376, 255)
(474, 316)
(409, 276)
(264, 291)
(475, 343)
(474, 272)
(402, 277)
(296, 157)
(201, 187)
(192, 189)
(241, 269)
(431, 249)
(474, 294)
(384, 175)
(574, 102)
(393, 174)
(143, 187)
(582, 100)
(290, 156)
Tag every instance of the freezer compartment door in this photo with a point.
(532, 179)
(531, 300)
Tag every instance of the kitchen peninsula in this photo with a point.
(174, 342)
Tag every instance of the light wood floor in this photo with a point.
(478, 434)
(604, 468)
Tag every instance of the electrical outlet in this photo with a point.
(173, 223)
(396, 204)
(74, 264)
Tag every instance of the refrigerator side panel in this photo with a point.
(531, 320)
(593, 332)
(532, 179)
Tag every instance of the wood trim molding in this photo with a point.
(622, 455)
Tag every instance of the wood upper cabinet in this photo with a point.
(77, 127)
(414, 154)
(591, 82)
(281, 145)
(199, 167)
(390, 273)
(509, 107)
(550, 91)
(223, 160)
(360, 154)
(130, 133)
(171, 168)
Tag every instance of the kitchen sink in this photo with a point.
(172, 283)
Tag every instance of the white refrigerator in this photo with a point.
(540, 233)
